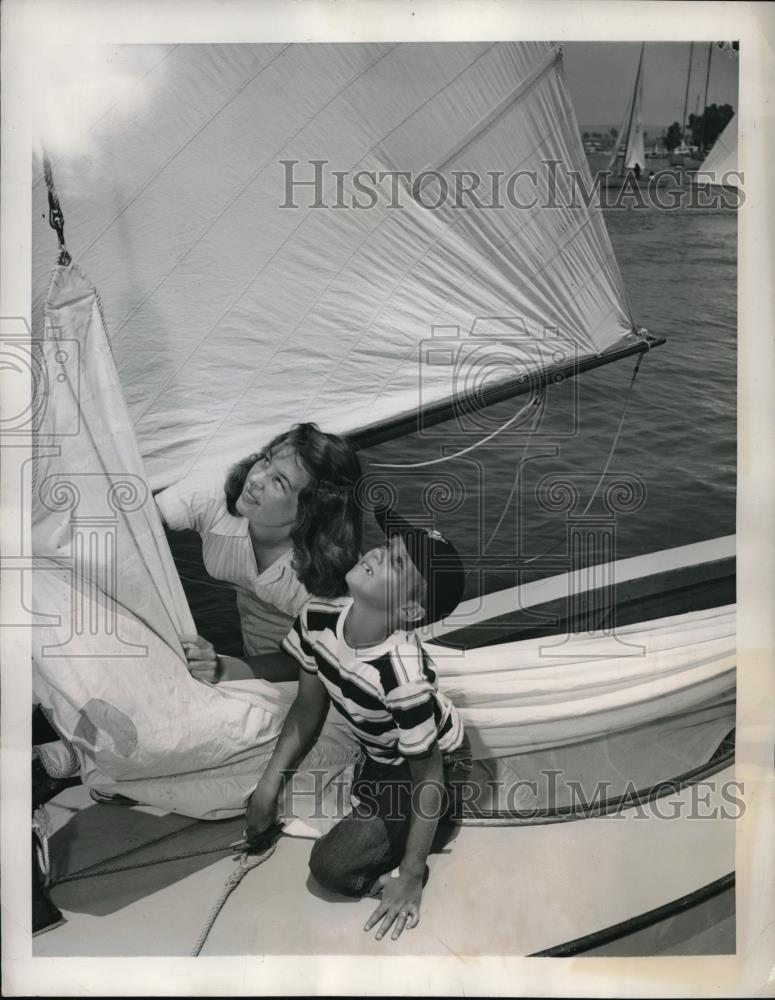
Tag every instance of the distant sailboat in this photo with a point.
(719, 168)
(628, 159)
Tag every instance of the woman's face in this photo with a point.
(270, 494)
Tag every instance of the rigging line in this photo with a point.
(464, 451)
(86, 872)
(618, 432)
(100, 869)
(562, 540)
(517, 476)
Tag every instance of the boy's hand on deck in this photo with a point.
(400, 904)
(202, 659)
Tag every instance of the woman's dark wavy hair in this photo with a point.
(327, 534)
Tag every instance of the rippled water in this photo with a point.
(676, 450)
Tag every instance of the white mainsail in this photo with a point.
(720, 165)
(232, 317)
(629, 151)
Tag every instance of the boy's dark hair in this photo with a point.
(327, 534)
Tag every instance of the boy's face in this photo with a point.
(387, 581)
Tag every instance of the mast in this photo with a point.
(626, 130)
(633, 105)
(707, 81)
(686, 95)
(707, 76)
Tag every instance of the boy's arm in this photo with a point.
(401, 896)
(299, 732)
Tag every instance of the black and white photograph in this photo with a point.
(385, 425)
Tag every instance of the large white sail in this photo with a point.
(232, 317)
(720, 165)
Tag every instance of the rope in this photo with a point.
(41, 827)
(464, 451)
(94, 871)
(90, 871)
(251, 857)
(603, 474)
(245, 864)
(618, 432)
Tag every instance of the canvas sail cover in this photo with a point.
(720, 165)
(232, 317)
(108, 667)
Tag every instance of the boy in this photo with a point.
(361, 653)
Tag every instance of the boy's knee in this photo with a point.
(333, 871)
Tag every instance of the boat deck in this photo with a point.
(495, 890)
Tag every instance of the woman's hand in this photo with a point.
(202, 659)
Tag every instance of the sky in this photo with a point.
(601, 76)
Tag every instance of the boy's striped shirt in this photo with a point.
(387, 693)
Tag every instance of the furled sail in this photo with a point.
(108, 665)
(219, 299)
(720, 165)
(628, 150)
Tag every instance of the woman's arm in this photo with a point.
(300, 729)
(207, 665)
(276, 666)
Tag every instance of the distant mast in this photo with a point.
(686, 95)
(705, 99)
(628, 150)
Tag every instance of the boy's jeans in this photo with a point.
(372, 839)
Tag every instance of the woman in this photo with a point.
(284, 525)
